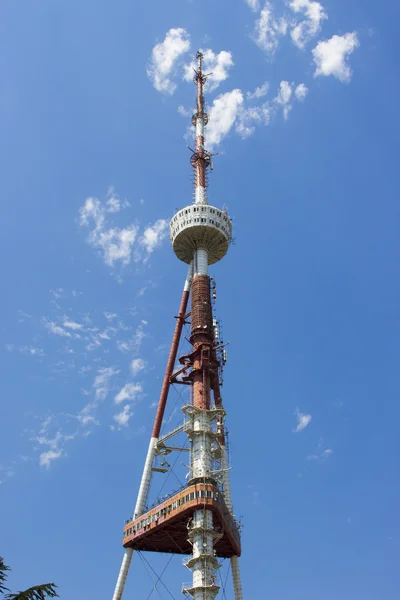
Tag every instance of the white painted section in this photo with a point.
(199, 126)
(225, 479)
(237, 584)
(123, 573)
(145, 482)
(140, 503)
(203, 562)
(200, 195)
(201, 532)
(201, 262)
(188, 280)
(201, 454)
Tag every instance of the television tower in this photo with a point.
(198, 520)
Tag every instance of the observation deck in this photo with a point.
(200, 226)
(165, 527)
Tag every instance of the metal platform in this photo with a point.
(164, 528)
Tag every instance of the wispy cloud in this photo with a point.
(268, 29)
(284, 96)
(133, 345)
(320, 454)
(72, 325)
(110, 316)
(118, 245)
(114, 242)
(32, 351)
(184, 112)
(259, 92)
(304, 31)
(6, 473)
(164, 58)
(102, 382)
(129, 392)
(303, 420)
(55, 443)
(122, 418)
(330, 56)
(46, 458)
(254, 4)
(58, 330)
(137, 365)
(301, 91)
(230, 111)
(153, 235)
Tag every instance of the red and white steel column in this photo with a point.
(200, 119)
(201, 532)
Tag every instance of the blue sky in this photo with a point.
(304, 119)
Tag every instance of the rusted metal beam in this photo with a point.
(180, 319)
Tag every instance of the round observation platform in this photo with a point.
(200, 226)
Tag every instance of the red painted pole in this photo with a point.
(171, 362)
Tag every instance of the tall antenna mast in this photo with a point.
(198, 520)
(201, 159)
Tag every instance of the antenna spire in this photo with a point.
(201, 158)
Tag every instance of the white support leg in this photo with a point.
(237, 584)
(123, 574)
(140, 503)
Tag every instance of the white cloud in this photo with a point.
(320, 454)
(284, 96)
(113, 204)
(268, 29)
(124, 345)
(58, 293)
(134, 344)
(110, 316)
(85, 419)
(230, 110)
(164, 57)
(259, 92)
(32, 351)
(123, 417)
(248, 118)
(217, 65)
(302, 420)
(57, 330)
(128, 392)
(254, 5)
(46, 458)
(223, 113)
(137, 365)
(117, 244)
(287, 92)
(114, 242)
(310, 27)
(55, 444)
(72, 324)
(301, 92)
(184, 112)
(330, 56)
(102, 381)
(153, 235)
